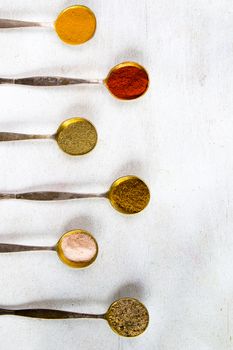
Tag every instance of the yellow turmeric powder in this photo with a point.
(76, 25)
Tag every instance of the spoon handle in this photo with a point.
(49, 81)
(12, 136)
(48, 314)
(13, 248)
(50, 196)
(9, 23)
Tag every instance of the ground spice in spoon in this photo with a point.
(128, 317)
(76, 25)
(128, 82)
(79, 247)
(129, 196)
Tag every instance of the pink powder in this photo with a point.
(79, 247)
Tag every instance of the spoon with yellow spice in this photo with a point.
(74, 25)
(128, 195)
(75, 136)
(127, 317)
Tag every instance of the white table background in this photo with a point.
(176, 256)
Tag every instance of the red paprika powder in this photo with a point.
(127, 81)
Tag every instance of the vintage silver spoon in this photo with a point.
(128, 195)
(74, 25)
(75, 136)
(76, 248)
(125, 81)
(127, 317)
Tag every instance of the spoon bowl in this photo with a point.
(129, 195)
(127, 81)
(75, 25)
(76, 136)
(127, 317)
(77, 248)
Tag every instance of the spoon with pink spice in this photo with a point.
(76, 248)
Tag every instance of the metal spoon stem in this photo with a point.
(49, 314)
(9, 23)
(12, 136)
(13, 248)
(51, 195)
(49, 81)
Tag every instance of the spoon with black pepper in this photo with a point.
(127, 317)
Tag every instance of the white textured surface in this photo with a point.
(177, 255)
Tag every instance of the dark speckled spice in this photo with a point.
(128, 317)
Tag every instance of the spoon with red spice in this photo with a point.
(76, 248)
(125, 81)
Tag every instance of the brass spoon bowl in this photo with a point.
(72, 247)
(127, 317)
(74, 25)
(76, 248)
(130, 77)
(128, 195)
(125, 81)
(75, 136)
